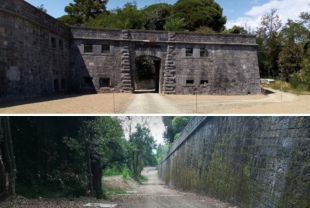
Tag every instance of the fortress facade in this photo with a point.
(39, 56)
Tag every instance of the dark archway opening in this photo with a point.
(147, 74)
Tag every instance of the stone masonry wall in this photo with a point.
(39, 56)
(248, 161)
(29, 65)
(230, 67)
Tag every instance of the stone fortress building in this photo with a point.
(39, 55)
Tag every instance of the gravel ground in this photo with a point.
(151, 103)
(152, 194)
(155, 194)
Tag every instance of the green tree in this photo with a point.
(128, 17)
(237, 30)
(41, 7)
(179, 123)
(169, 133)
(155, 16)
(102, 143)
(174, 126)
(200, 13)
(174, 24)
(290, 59)
(269, 44)
(82, 10)
(142, 145)
(161, 151)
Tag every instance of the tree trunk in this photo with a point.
(97, 175)
(90, 179)
(12, 171)
(4, 192)
(7, 161)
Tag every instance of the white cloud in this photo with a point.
(286, 9)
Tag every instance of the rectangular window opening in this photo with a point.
(61, 45)
(88, 48)
(87, 82)
(53, 42)
(63, 84)
(104, 82)
(189, 51)
(189, 82)
(204, 52)
(56, 85)
(105, 48)
(204, 82)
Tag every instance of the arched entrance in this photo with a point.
(147, 74)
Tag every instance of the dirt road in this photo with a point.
(274, 102)
(151, 103)
(154, 194)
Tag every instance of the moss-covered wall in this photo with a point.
(248, 161)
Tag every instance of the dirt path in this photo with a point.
(154, 194)
(151, 103)
(148, 103)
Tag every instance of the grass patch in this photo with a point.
(300, 89)
(111, 171)
(125, 174)
(142, 179)
(110, 191)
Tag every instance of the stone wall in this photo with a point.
(39, 56)
(230, 66)
(248, 161)
(30, 64)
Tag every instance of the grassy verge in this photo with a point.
(287, 87)
(109, 191)
(142, 179)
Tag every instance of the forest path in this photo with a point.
(151, 103)
(154, 194)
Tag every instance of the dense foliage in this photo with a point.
(282, 49)
(66, 156)
(174, 126)
(183, 15)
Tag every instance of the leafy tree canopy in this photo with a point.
(83, 10)
(199, 13)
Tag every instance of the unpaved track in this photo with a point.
(148, 103)
(151, 103)
(154, 194)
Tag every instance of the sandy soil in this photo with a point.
(69, 104)
(274, 102)
(117, 182)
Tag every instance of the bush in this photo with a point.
(294, 81)
(111, 171)
(125, 174)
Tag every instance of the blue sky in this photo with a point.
(239, 12)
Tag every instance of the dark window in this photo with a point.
(189, 82)
(87, 82)
(61, 45)
(53, 42)
(204, 52)
(105, 48)
(204, 82)
(56, 85)
(63, 84)
(104, 82)
(189, 51)
(88, 48)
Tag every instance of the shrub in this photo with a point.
(294, 81)
(125, 174)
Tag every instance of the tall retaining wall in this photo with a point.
(248, 161)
